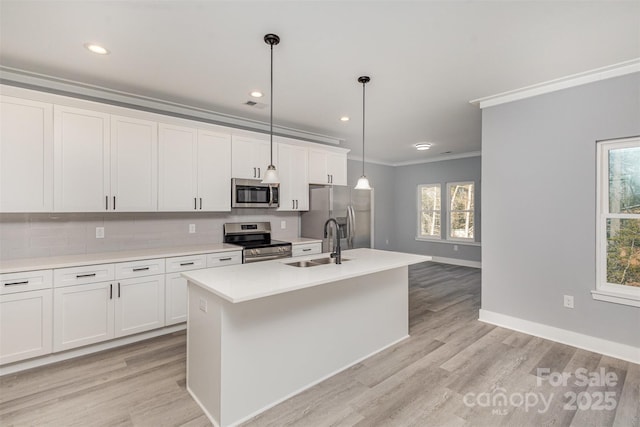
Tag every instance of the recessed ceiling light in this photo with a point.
(423, 146)
(95, 48)
(256, 94)
(344, 119)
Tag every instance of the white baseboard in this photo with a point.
(454, 261)
(82, 351)
(563, 336)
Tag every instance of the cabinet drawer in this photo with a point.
(225, 258)
(306, 249)
(82, 275)
(147, 267)
(25, 281)
(185, 263)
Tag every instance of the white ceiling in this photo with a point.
(426, 59)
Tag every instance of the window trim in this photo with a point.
(604, 291)
(449, 216)
(419, 235)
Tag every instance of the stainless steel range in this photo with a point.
(255, 238)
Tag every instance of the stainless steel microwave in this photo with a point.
(252, 193)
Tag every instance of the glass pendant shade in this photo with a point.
(363, 184)
(271, 176)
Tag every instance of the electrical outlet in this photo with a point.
(192, 228)
(568, 301)
(386, 242)
(283, 224)
(203, 305)
(455, 247)
(99, 232)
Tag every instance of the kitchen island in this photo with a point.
(260, 333)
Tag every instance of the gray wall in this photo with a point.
(407, 178)
(382, 180)
(538, 183)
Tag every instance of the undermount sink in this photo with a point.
(314, 262)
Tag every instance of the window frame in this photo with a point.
(604, 291)
(449, 212)
(419, 211)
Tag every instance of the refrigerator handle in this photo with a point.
(351, 221)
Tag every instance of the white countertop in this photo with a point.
(25, 264)
(245, 282)
(301, 240)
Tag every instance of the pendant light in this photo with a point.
(271, 176)
(363, 182)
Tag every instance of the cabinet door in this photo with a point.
(139, 305)
(294, 182)
(337, 168)
(82, 314)
(214, 171)
(318, 173)
(25, 325)
(249, 158)
(26, 156)
(134, 165)
(176, 299)
(178, 185)
(81, 160)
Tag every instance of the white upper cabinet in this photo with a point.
(178, 184)
(250, 157)
(26, 155)
(104, 163)
(294, 181)
(81, 160)
(134, 164)
(195, 169)
(327, 167)
(214, 171)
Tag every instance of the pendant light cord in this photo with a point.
(271, 111)
(363, 84)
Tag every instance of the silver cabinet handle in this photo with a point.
(106, 203)
(141, 269)
(254, 172)
(306, 250)
(225, 259)
(200, 203)
(17, 283)
(293, 204)
(328, 179)
(78, 276)
(111, 291)
(195, 203)
(182, 264)
(118, 289)
(114, 203)
(258, 172)
(297, 206)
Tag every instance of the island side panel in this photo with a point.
(203, 350)
(275, 347)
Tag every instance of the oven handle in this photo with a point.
(266, 258)
(270, 195)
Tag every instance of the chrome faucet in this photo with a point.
(337, 252)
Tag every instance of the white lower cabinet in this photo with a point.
(176, 301)
(82, 315)
(25, 325)
(139, 305)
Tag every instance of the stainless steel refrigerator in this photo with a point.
(353, 209)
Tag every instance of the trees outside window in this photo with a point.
(429, 211)
(461, 210)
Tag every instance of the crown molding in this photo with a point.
(615, 70)
(42, 82)
(441, 158)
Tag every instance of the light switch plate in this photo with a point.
(203, 305)
(192, 228)
(99, 232)
(568, 301)
(283, 224)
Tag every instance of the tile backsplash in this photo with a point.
(41, 235)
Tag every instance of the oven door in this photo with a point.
(248, 193)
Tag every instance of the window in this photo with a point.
(461, 208)
(429, 213)
(618, 223)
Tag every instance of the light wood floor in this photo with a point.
(422, 381)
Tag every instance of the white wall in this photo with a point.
(539, 205)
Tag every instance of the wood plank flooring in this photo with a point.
(450, 358)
